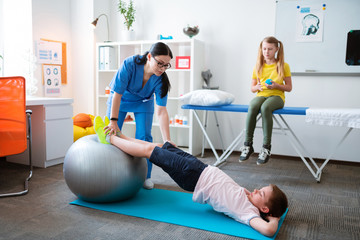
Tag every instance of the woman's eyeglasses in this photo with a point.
(161, 65)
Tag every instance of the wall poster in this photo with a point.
(310, 23)
(52, 79)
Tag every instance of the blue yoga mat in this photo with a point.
(178, 208)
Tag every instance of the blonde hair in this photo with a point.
(279, 59)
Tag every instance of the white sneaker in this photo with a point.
(264, 156)
(148, 184)
(246, 151)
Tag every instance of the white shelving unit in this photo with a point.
(182, 81)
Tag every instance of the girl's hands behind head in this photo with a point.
(272, 219)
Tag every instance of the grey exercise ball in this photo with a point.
(97, 172)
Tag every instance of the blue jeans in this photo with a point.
(183, 168)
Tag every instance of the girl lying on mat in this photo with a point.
(209, 184)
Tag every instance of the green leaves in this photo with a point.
(128, 12)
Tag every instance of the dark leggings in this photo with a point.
(182, 167)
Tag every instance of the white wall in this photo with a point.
(51, 20)
(101, 31)
(17, 35)
(82, 56)
(69, 21)
(1, 39)
(232, 31)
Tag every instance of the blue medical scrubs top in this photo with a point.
(128, 82)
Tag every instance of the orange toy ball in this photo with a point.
(82, 120)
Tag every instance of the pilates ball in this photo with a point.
(268, 81)
(97, 172)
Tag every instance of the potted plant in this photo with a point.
(128, 11)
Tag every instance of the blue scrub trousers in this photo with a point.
(143, 122)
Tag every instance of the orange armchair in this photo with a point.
(15, 123)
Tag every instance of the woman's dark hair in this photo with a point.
(157, 49)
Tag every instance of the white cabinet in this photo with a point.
(111, 55)
(52, 131)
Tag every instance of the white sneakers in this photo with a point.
(148, 184)
(246, 151)
(264, 156)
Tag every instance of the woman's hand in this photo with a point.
(112, 128)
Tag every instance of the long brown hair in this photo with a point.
(279, 58)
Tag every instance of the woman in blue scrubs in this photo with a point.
(132, 90)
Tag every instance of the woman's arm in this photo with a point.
(163, 117)
(114, 113)
(265, 228)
